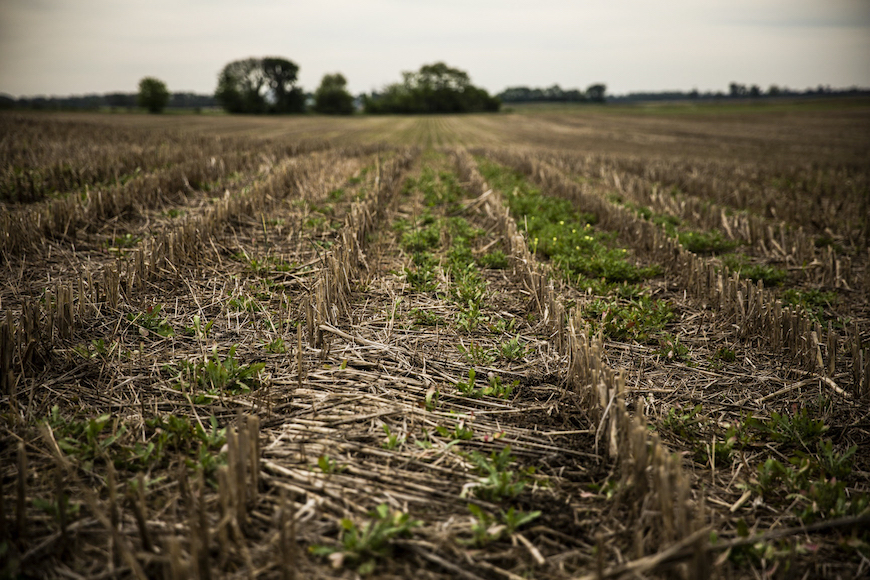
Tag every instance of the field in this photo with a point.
(555, 343)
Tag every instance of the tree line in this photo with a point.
(268, 85)
(594, 93)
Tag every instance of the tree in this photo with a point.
(595, 93)
(260, 85)
(153, 94)
(435, 88)
(737, 90)
(331, 97)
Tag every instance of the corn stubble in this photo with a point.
(568, 450)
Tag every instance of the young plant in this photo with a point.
(276, 346)
(798, 429)
(392, 441)
(425, 317)
(225, 376)
(512, 349)
(496, 388)
(363, 545)
(672, 349)
(199, 330)
(467, 387)
(460, 432)
(328, 465)
(468, 319)
(477, 354)
(495, 260)
(497, 481)
(514, 519)
(637, 319)
(685, 423)
(150, 322)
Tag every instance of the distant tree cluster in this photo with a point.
(260, 85)
(106, 101)
(741, 91)
(153, 95)
(555, 94)
(332, 97)
(435, 88)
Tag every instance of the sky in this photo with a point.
(66, 47)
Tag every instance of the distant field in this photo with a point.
(558, 342)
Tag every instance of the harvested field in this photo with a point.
(559, 343)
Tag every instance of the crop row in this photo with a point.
(755, 308)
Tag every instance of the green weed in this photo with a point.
(244, 304)
(769, 275)
(460, 432)
(635, 319)
(813, 302)
(495, 260)
(724, 354)
(328, 465)
(392, 441)
(421, 240)
(362, 546)
(512, 349)
(199, 330)
(709, 242)
(497, 480)
(276, 346)
(469, 318)
(684, 422)
(424, 277)
(476, 354)
(672, 349)
(221, 376)
(467, 387)
(425, 317)
(502, 326)
(468, 286)
(798, 429)
(150, 322)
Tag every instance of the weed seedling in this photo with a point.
(495, 260)
(498, 481)
(460, 432)
(672, 349)
(276, 346)
(150, 322)
(199, 330)
(512, 349)
(476, 354)
(514, 519)
(392, 441)
(798, 429)
(225, 376)
(425, 318)
(684, 423)
(496, 388)
(364, 545)
(769, 275)
(467, 387)
(328, 465)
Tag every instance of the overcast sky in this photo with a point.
(63, 47)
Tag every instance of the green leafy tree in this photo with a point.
(260, 85)
(595, 93)
(435, 88)
(153, 94)
(331, 97)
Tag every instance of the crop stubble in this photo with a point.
(296, 276)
